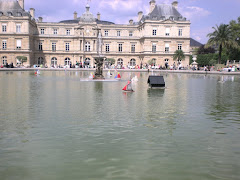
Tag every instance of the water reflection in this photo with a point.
(54, 118)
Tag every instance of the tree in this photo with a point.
(110, 61)
(203, 50)
(178, 55)
(22, 59)
(221, 37)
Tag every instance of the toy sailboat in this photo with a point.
(128, 87)
(118, 76)
(109, 73)
(37, 72)
(91, 76)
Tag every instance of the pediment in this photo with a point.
(168, 21)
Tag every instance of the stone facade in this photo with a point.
(155, 36)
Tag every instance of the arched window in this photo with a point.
(67, 61)
(87, 46)
(120, 61)
(87, 61)
(54, 61)
(40, 60)
(4, 60)
(132, 62)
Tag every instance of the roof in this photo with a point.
(87, 17)
(162, 12)
(156, 81)
(12, 8)
(194, 43)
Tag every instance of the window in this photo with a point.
(40, 60)
(67, 46)
(4, 28)
(54, 61)
(130, 33)
(167, 32)
(87, 46)
(179, 32)
(54, 46)
(40, 46)
(118, 33)
(179, 46)
(19, 14)
(120, 61)
(19, 44)
(106, 33)
(132, 62)
(107, 47)
(67, 62)
(68, 32)
(119, 47)
(55, 31)
(87, 61)
(42, 31)
(154, 47)
(4, 60)
(166, 60)
(154, 32)
(4, 44)
(133, 48)
(166, 48)
(18, 28)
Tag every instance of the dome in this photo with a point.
(87, 16)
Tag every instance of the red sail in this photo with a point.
(125, 88)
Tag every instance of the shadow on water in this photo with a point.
(155, 92)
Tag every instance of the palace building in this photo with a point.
(155, 36)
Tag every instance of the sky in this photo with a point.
(203, 14)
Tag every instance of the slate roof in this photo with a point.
(162, 12)
(86, 17)
(11, 8)
(194, 43)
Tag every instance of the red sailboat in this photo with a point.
(128, 87)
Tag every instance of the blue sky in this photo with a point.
(203, 14)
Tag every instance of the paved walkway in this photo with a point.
(124, 70)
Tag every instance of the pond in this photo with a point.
(54, 126)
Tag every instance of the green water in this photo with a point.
(55, 127)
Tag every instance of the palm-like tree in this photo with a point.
(178, 55)
(221, 37)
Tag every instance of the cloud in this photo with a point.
(194, 12)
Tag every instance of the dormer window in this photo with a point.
(10, 14)
(19, 14)
(1, 13)
(154, 17)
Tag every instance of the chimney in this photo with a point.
(40, 19)
(152, 4)
(21, 3)
(98, 16)
(131, 22)
(75, 15)
(140, 14)
(32, 12)
(175, 4)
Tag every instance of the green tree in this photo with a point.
(179, 55)
(110, 61)
(234, 53)
(221, 37)
(22, 59)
